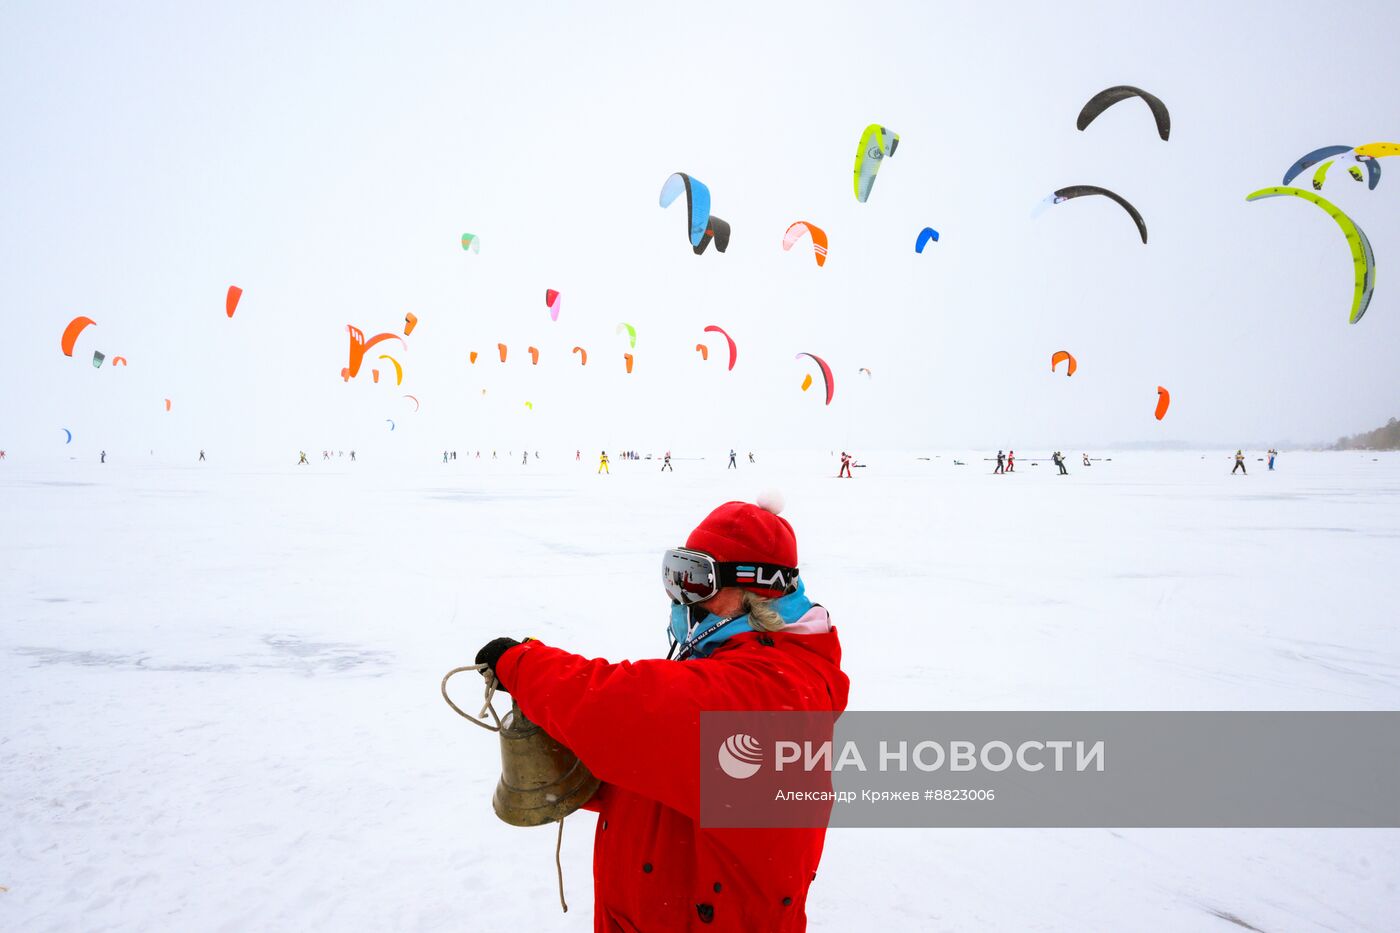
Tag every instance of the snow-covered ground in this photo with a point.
(219, 701)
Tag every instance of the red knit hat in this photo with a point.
(739, 531)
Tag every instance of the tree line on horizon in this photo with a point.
(1382, 438)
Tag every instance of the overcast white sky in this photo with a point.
(328, 157)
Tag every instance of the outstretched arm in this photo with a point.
(634, 724)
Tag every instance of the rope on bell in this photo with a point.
(559, 866)
(486, 707)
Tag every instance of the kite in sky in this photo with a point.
(1112, 95)
(877, 143)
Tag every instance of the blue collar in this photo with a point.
(713, 630)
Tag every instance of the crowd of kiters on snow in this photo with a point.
(1005, 460)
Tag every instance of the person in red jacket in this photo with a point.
(744, 637)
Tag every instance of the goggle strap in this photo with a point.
(764, 576)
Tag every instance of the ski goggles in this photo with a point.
(692, 577)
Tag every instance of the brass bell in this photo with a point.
(541, 780)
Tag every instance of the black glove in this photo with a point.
(490, 654)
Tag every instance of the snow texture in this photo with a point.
(219, 701)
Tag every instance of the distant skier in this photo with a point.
(1059, 460)
(201, 456)
(1086, 459)
(845, 466)
(603, 463)
(732, 464)
(444, 456)
(104, 456)
(751, 459)
(1239, 464)
(1272, 454)
(303, 460)
(578, 455)
(666, 464)
(2, 455)
(352, 456)
(1011, 461)
(524, 457)
(1001, 463)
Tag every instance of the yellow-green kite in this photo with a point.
(877, 143)
(1363, 260)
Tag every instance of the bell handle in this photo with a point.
(486, 707)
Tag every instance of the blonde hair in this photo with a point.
(762, 616)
